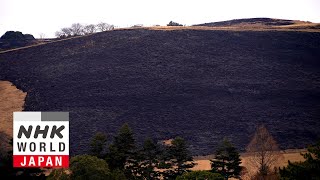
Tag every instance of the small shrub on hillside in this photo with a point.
(309, 169)
(171, 23)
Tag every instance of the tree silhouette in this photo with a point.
(171, 23)
(180, 158)
(88, 167)
(8, 172)
(309, 169)
(146, 160)
(77, 29)
(98, 144)
(122, 148)
(226, 160)
(264, 150)
(89, 29)
(104, 27)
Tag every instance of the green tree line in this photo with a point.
(123, 159)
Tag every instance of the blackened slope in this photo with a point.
(254, 21)
(202, 85)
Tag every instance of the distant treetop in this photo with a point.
(78, 29)
(171, 23)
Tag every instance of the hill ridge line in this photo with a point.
(40, 44)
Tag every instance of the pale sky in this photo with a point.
(48, 16)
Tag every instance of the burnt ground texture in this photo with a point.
(199, 84)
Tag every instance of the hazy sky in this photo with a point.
(48, 16)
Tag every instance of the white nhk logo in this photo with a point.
(41, 139)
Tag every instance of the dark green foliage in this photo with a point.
(98, 144)
(121, 149)
(88, 167)
(200, 175)
(8, 172)
(60, 174)
(151, 154)
(171, 23)
(117, 175)
(226, 160)
(145, 161)
(309, 169)
(179, 157)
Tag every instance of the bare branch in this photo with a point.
(76, 29)
(264, 151)
(104, 27)
(89, 29)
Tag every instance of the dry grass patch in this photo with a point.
(11, 100)
(294, 155)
